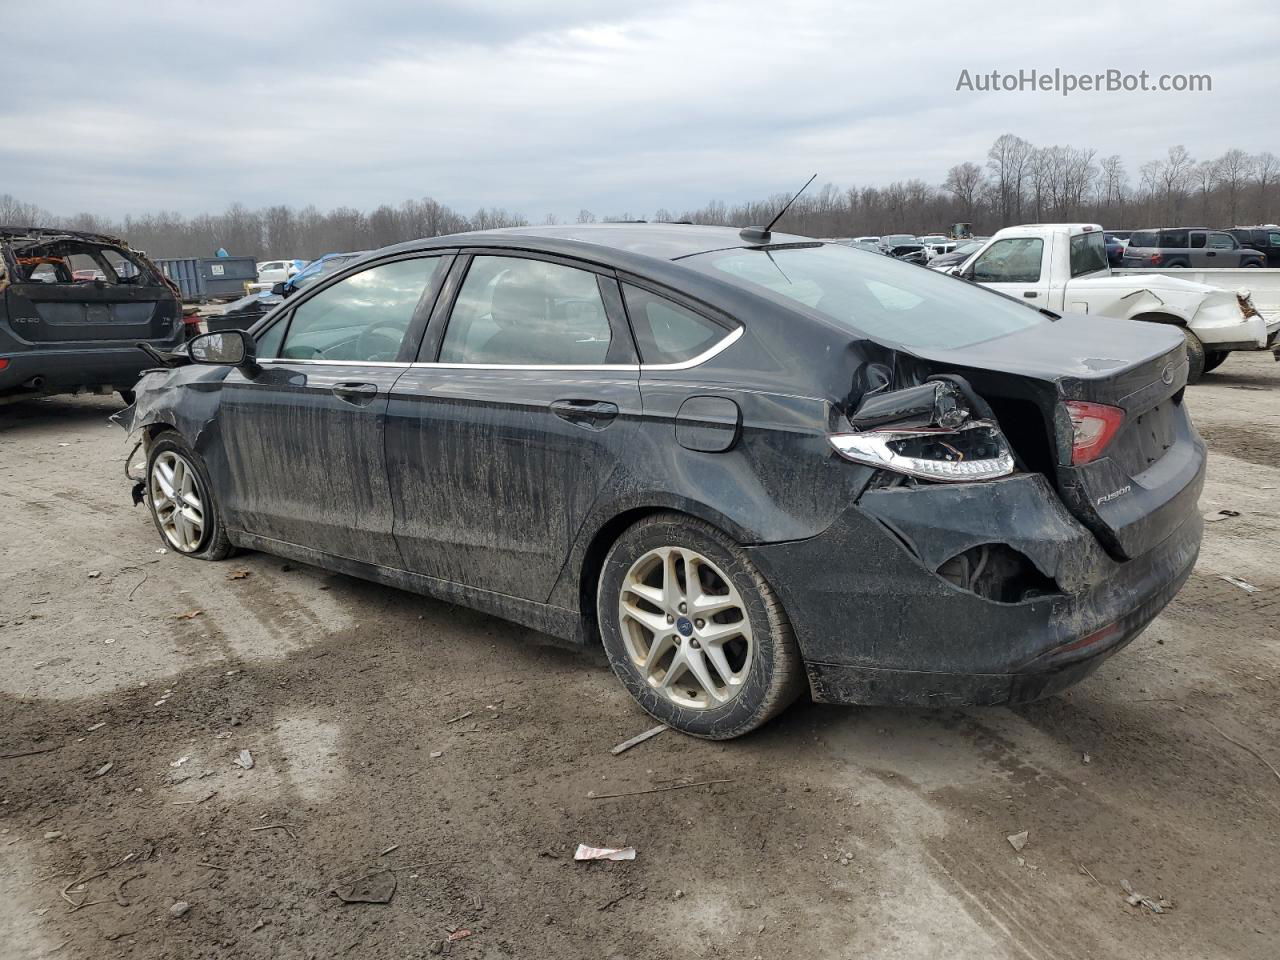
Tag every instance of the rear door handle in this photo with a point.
(586, 413)
(1030, 294)
(358, 394)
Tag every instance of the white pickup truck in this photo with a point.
(1063, 267)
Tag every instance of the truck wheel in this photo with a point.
(1195, 357)
(693, 631)
(1213, 359)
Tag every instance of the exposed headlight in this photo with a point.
(976, 451)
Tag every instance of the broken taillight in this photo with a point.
(975, 451)
(1093, 425)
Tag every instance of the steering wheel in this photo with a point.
(380, 343)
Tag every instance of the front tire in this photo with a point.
(180, 500)
(693, 631)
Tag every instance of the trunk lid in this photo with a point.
(1147, 480)
(50, 314)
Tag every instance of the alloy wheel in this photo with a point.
(176, 500)
(685, 628)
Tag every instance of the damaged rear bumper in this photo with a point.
(877, 625)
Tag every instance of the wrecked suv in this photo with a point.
(72, 307)
(747, 463)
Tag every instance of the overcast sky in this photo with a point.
(616, 106)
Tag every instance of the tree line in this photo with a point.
(1017, 182)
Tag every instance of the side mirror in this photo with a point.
(277, 289)
(234, 348)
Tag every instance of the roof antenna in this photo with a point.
(762, 234)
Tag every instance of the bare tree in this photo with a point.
(1266, 169)
(1007, 159)
(1235, 168)
(965, 181)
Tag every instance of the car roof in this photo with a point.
(662, 241)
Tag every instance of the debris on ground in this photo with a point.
(604, 853)
(1244, 585)
(239, 574)
(437, 754)
(94, 574)
(1085, 758)
(592, 795)
(1154, 904)
(179, 762)
(639, 738)
(1018, 840)
(97, 726)
(1220, 515)
(244, 760)
(460, 934)
(189, 615)
(461, 716)
(102, 770)
(179, 909)
(375, 888)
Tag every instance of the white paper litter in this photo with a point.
(604, 853)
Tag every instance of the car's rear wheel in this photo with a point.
(693, 631)
(181, 502)
(1214, 358)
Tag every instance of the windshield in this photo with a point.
(877, 297)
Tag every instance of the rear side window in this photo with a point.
(1144, 239)
(1272, 240)
(1197, 240)
(512, 311)
(1016, 260)
(666, 332)
(363, 318)
(877, 297)
(1088, 254)
(1222, 241)
(1176, 239)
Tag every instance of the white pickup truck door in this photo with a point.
(1016, 266)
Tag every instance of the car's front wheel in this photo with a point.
(181, 502)
(693, 631)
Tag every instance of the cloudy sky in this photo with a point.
(619, 106)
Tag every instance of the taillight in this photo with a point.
(975, 451)
(1157, 259)
(4, 362)
(1093, 426)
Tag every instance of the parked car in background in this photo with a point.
(860, 244)
(957, 256)
(1264, 239)
(240, 314)
(314, 271)
(875, 240)
(1063, 267)
(1181, 247)
(731, 530)
(936, 244)
(887, 243)
(1115, 248)
(63, 334)
(275, 271)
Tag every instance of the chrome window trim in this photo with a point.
(718, 347)
(336, 363)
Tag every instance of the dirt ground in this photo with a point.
(839, 833)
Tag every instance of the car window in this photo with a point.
(362, 318)
(876, 297)
(1272, 240)
(666, 332)
(1144, 239)
(1088, 254)
(1197, 240)
(1176, 239)
(1016, 260)
(516, 311)
(1222, 241)
(268, 343)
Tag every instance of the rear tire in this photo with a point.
(180, 500)
(1195, 356)
(1213, 359)
(715, 676)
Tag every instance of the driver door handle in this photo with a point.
(358, 394)
(586, 413)
(1030, 294)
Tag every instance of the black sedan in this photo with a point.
(748, 464)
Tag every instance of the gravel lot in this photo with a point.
(840, 832)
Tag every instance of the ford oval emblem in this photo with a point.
(1167, 373)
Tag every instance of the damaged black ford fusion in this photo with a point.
(747, 463)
